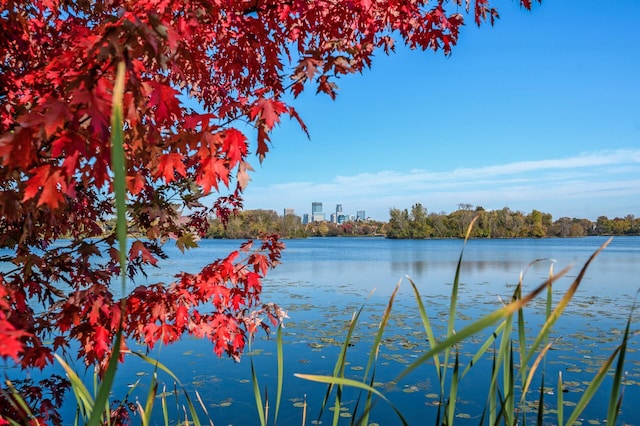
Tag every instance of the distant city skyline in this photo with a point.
(317, 214)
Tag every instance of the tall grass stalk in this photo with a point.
(94, 412)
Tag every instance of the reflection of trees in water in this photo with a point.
(419, 268)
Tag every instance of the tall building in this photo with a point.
(316, 212)
(305, 218)
(338, 213)
(288, 212)
(360, 215)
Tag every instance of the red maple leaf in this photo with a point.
(165, 100)
(169, 165)
(268, 111)
(101, 341)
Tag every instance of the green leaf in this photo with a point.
(187, 241)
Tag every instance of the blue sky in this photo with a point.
(541, 111)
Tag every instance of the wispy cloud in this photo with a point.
(605, 180)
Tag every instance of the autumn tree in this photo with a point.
(197, 72)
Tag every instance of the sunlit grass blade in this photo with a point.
(532, 371)
(192, 409)
(80, 391)
(343, 381)
(165, 410)
(156, 364)
(593, 387)
(304, 410)
(17, 402)
(145, 415)
(204, 407)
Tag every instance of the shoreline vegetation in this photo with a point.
(418, 223)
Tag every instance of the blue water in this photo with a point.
(323, 281)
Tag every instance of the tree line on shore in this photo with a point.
(418, 223)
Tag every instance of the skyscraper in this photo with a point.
(360, 215)
(316, 212)
(338, 213)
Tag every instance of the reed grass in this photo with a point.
(510, 381)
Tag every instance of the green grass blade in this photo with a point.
(280, 373)
(257, 395)
(549, 304)
(427, 326)
(165, 410)
(343, 381)
(337, 405)
(101, 405)
(119, 168)
(156, 364)
(119, 186)
(616, 389)
(560, 400)
(368, 406)
(453, 391)
(338, 369)
(593, 387)
(454, 302)
(192, 409)
(151, 396)
(17, 402)
(509, 388)
(204, 407)
(84, 398)
(522, 338)
(493, 390)
(373, 354)
(540, 417)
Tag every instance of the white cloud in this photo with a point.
(602, 179)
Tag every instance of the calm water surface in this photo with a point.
(323, 281)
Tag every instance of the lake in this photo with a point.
(323, 281)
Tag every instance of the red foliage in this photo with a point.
(193, 69)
